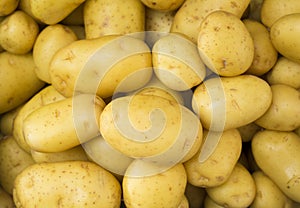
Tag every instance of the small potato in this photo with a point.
(267, 193)
(223, 104)
(13, 160)
(118, 17)
(6, 199)
(18, 80)
(265, 55)
(48, 42)
(277, 154)
(238, 191)
(225, 45)
(163, 5)
(176, 62)
(77, 184)
(163, 189)
(285, 72)
(18, 32)
(284, 112)
(8, 6)
(284, 35)
(217, 168)
(7, 121)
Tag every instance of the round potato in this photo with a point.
(8, 6)
(163, 5)
(18, 32)
(78, 184)
(284, 112)
(280, 162)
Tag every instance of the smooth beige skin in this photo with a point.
(162, 5)
(284, 112)
(267, 193)
(8, 6)
(18, 32)
(13, 161)
(66, 184)
(225, 45)
(176, 62)
(18, 81)
(238, 191)
(247, 132)
(49, 12)
(285, 72)
(74, 154)
(49, 41)
(129, 69)
(272, 10)
(45, 96)
(7, 121)
(164, 189)
(106, 17)
(6, 199)
(60, 126)
(265, 55)
(231, 107)
(279, 162)
(190, 15)
(284, 35)
(218, 167)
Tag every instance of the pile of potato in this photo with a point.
(150, 103)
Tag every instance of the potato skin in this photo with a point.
(66, 184)
(8, 6)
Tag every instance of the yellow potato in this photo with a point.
(8, 6)
(284, 35)
(106, 17)
(267, 193)
(13, 160)
(195, 195)
(49, 12)
(225, 45)
(272, 10)
(176, 62)
(163, 5)
(277, 153)
(218, 167)
(163, 189)
(76, 184)
(6, 199)
(48, 42)
(191, 14)
(238, 191)
(18, 80)
(284, 112)
(60, 125)
(184, 203)
(231, 106)
(265, 55)
(7, 121)
(285, 72)
(86, 66)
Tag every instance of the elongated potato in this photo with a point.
(281, 160)
(75, 184)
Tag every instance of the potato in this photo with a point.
(163, 189)
(13, 160)
(45, 96)
(222, 103)
(17, 80)
(48, 42)
(6, 199)
(195, 195)
(272, 10)
(66, 184)
(176, 62)
(217, 168)
(8, 6)
(60, 125)
(106, 17)
(18, 32)
(226, 58)
(74, 154)
(248, 131)
(281, 160)
(267, 193)
(162, 5)
(285, 72)
(49, 12)
(284, 112)
(80, 66)
(238, 191)
(191, 14)
(265, 55)
(7, 121)
(284, 36)
(184, 203)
